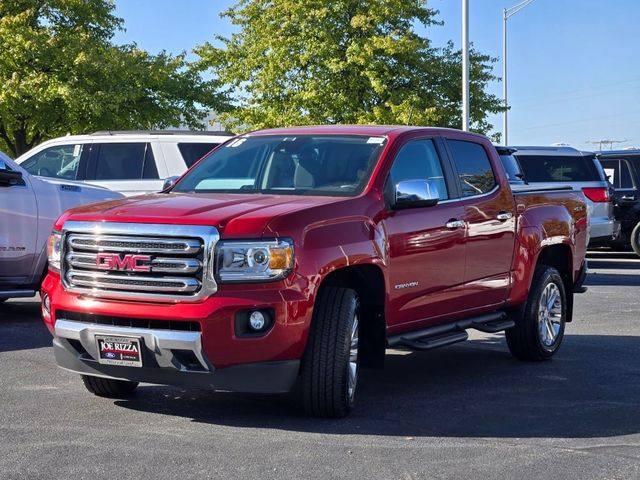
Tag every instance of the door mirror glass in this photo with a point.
(169, 182)
(415, 193)
(9, 177)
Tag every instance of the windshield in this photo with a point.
(331, 165)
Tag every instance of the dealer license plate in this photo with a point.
(123, 351)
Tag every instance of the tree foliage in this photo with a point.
(343, 61)
(60, 73)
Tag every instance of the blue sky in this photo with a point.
(574, 68)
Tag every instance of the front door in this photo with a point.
(426, 258)
(18, 225)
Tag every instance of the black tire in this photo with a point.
(635, 239)
(529, 339)
(328, 359)
(106, 387)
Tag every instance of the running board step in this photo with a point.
(437, 341)
(441, 335)
(495, 326)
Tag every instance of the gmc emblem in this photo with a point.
(129, 263)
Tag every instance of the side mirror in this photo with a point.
(415, 193)
(169, 182)
(9, 177)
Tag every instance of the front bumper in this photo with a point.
(75, 319)
(169, 358)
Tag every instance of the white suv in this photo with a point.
(131, 163)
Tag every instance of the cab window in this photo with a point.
(419, 160)
(475, 174)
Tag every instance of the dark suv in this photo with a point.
(623, 169)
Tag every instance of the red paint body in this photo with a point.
(473, 270)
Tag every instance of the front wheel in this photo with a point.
(107, 387)
(331, 360)
(539, 330)
(635, 239)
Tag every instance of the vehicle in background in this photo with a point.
(28, 207)
(623, 170)
(131, 163)
(511, 166)
(581, 171)
(302, 254)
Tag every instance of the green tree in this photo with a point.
(343, 61)
(60, 73)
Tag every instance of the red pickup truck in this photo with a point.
(301, 254)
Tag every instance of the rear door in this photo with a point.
(128, 167)
(489, 215)
(620, 173)
(426, 264)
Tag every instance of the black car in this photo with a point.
(623, 169)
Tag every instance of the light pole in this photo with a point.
(465, 65)
(506, 14)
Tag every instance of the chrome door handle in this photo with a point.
(504, 216)
(453, 224)
(628, 197)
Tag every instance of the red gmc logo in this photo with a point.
(130, 263)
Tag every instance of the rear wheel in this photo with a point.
(107, 387)
(539, 331)
(635, 239)
(331, 360)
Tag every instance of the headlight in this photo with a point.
(242, 261)
(54, 251)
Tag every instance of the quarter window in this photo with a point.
(475, 174)
(192, 152)
(419, 160)
(61, 161)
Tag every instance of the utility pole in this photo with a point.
(506, 14)
(465, 65)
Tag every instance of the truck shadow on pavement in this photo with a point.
(475, 389)
(21, 327)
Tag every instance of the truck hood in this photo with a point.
(232, 214)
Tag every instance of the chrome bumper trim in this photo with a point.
(158, 343)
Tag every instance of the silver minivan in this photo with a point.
(580, 170)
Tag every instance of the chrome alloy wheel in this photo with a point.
(352, 366)
(549, 315)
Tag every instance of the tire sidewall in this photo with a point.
(354, 310)
(549, 275)
(635, 239)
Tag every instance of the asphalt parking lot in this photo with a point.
(466, 411)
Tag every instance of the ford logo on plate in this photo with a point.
(110, 355)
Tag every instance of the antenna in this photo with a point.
(609, 142)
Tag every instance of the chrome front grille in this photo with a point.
(169, 263)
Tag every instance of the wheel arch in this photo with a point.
(369, 284)
(560, 257)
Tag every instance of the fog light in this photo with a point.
(257, 321)
(46, 305)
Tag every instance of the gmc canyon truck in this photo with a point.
(301, 254)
